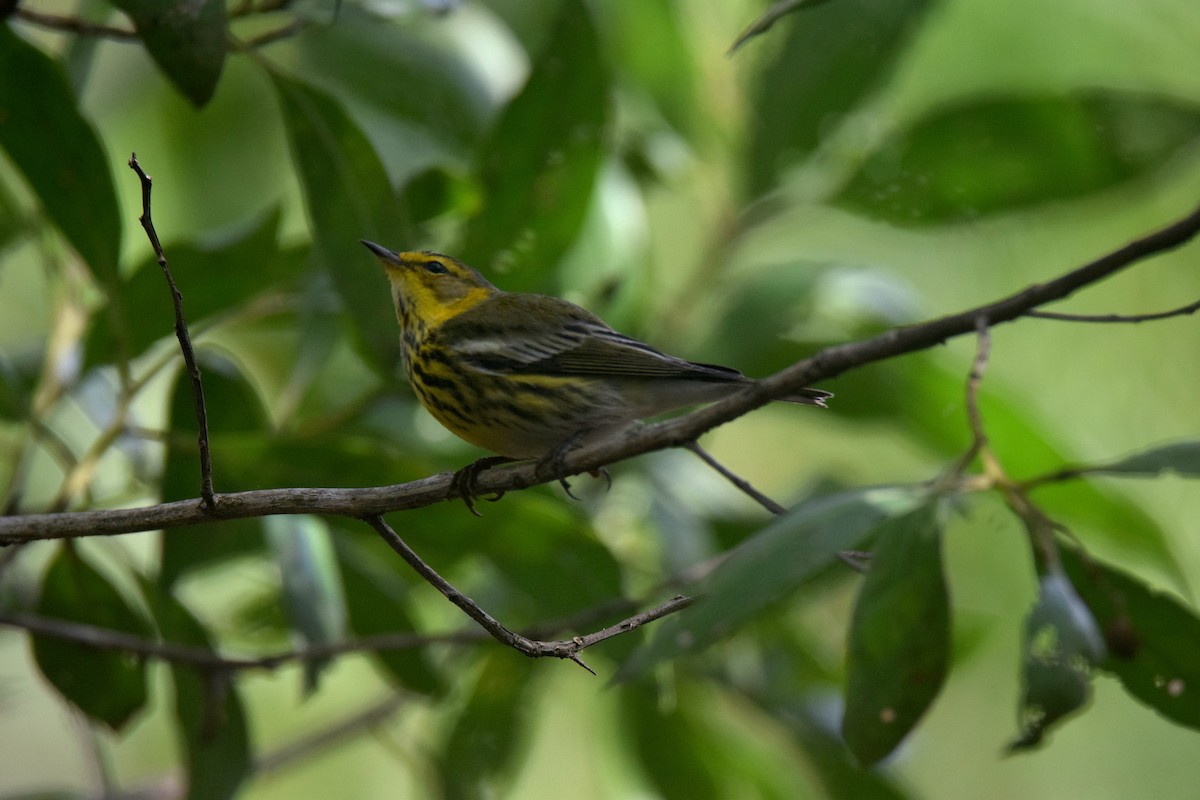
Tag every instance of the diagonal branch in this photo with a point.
(677, 432)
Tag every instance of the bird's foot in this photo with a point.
(463, 482)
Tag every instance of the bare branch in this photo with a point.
(677, 432)
(1182, 311)
(79, 27)
(207, 495)
(741, 483)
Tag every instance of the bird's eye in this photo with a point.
(436, 268)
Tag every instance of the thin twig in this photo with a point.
(830, 362)
(568, 648)
(769, 18)
(207, 495)
(302, 749)
(79, 27)
(979, 440)
(741, 483)
(1182, 311)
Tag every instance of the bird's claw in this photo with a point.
(463, 482)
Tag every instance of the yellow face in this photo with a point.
(430, 287)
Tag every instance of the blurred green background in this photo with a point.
(861, 165)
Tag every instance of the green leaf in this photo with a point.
(108, 686)
(1182, 458)
(985, 156)
(348, 198)
(208, 710)
(311, 583)
(433, 107)
(71, 178)
(483, 742)
(1153, 639)
(235, 409)
(673, 748)
(186, 38)
(834, 56)
(377, 601)
(899, 643)
(540, 161)
(768, 567)
(1062, 643)
(214, 279)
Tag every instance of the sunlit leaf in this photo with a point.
(109, 686)
(539, 163)
(348, 198)
(433, 107)
(1062, 643)
(208, 708)
(988, 155)
(769, 566)
(187, 38)
(833, 57)
(899, 643)
(1153, 639)
(71, 179)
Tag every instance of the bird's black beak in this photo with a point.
(382, 253)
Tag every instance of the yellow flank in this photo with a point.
(524, 374)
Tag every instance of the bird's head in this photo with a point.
(430, 286)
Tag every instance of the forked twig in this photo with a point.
(565, 648)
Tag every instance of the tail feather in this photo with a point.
(809, 397)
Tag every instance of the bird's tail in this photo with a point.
(809, 397)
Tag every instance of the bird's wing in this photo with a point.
(535, 335)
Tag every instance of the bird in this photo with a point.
(530, 376)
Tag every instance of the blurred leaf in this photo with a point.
(1062, 643)
(71, 178)
(481, 749)
(377, 600)
(235, 410)
(18, 379)
(109, 686)
(653, 52)
(551, 557)
(1182, 458)
(186, 38)
(769, 566)
(311, 583)
(990, 155)
(1153, 639)
(539, 163)
(925, 400)
(899, 642)
(768, 19)
(431, 109)
(208, 710)
(674, 751)
(833, 58)
(348, 198)
(213, 279)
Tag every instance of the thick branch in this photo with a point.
(673, 433)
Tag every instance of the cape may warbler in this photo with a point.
(524, 374)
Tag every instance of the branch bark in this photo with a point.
(366, 502)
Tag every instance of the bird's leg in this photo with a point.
(463, 481)
(553, 462)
